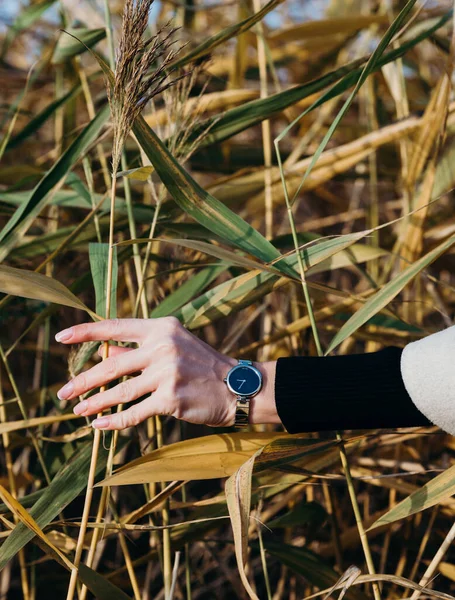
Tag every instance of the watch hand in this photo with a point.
(242, 380)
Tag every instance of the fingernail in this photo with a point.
(63, 336)
(100, 423)
(66, 391)
(80, 408)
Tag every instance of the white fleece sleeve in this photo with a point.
(428, 371)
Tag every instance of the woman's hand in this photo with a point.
(183, 374)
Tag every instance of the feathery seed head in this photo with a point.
(140, 71)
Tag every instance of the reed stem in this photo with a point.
(97, 432)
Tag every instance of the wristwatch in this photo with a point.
(244, 381)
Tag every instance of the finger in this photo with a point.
(126, 418)
(121, 330)
(114, 350)
(108, 370)
(124, 392)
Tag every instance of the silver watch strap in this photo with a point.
(242, 412)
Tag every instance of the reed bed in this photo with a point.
(278, 176)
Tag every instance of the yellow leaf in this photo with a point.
(26, 518)
(35, 422)
(238, 498)
(213, 102)
(28, 284)
(447, 569)
(326, 27)
(209, 457)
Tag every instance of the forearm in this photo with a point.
(339, 392)
(262, 406)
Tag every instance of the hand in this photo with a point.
(183, 374)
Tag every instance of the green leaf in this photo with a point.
(306, 513)
(191, 288)
(34, 124)
(227, 255)
(388, 293)
(310, 566)
(67, 46)
(201, 205)
(99, 260)
(66, 485)
(25, 214)
(438, 489)
(235, 294)
(100, 587)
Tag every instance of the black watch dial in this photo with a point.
(244, 381)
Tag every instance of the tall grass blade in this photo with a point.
(28, 284)
(28, 521)
(186, 292)
(99, 254)
(67, 46)
(440, 488)
(201, 205)
(310, 566)
(388, 293)
(25, 214)
(69, 482)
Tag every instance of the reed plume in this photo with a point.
(141, 71)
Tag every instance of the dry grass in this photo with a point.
(391, 154)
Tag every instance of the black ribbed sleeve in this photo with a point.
(356, 391)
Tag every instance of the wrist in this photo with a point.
(262, 405)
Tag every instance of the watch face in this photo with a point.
(244, 381)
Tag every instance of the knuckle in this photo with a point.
(170, 348)
(80, 383)
(174, 389)
(175, 409)
(125, 391)
(174, 383)
(111, 366)
(134, 416)
(95, 403)
(168, 403)
(171, 324)
(120, 420)
(83, 330)
(114, 326)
